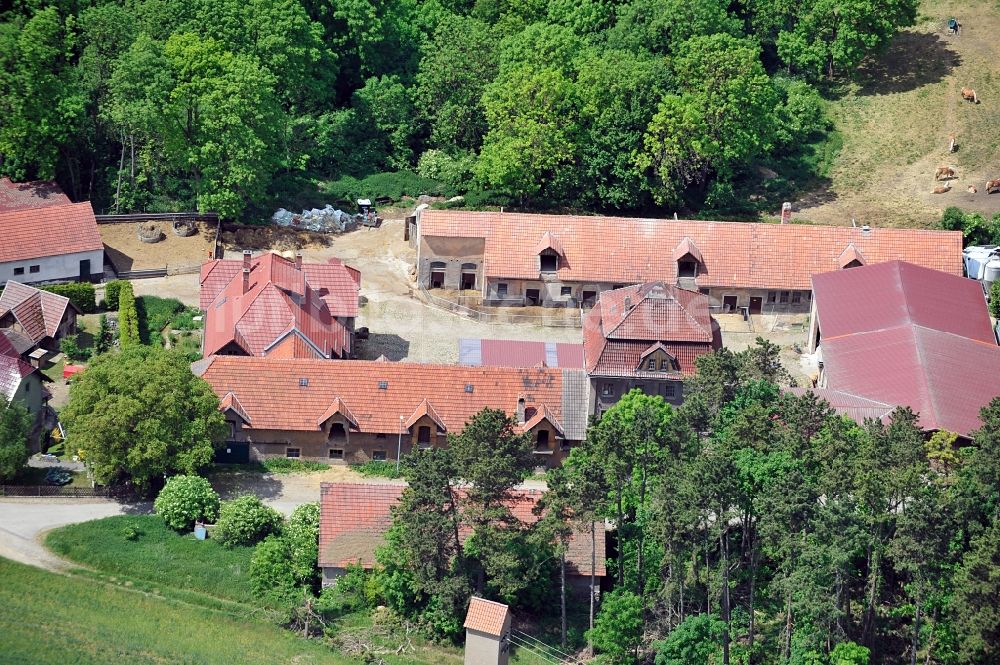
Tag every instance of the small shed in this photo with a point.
(487, 633)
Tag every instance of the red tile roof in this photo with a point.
(12, 372)
(48, 231)
(294, 394)
(735, 254)
(39, 312)
(519, 353)
(854, 407)
(27, 195)
(626, 323)
(355, 516)
(281, 313)
(486, 616)
(20, 342)
(902, 335)
(897, 293)
(335, 282)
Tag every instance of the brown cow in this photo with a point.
(944, 172)
(951, 143)
(972, 189)
(992, 186)
(944, 189)
(970, 95)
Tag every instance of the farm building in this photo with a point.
(898, 334)
(354, 411)
(20, 382)
(31, 318)
(645, 337)
(566, 261)
(45, 237)
(355, 516)
(273, 306)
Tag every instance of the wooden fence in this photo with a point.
(66, 492)
(561, 317)
(159, 217)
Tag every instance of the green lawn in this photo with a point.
(158, 556)
(66, 620)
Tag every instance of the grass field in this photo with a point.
(895, 117)
(201, 577)
(64, 620)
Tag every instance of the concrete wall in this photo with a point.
(63, 267)
(484, 649)
(453, 252)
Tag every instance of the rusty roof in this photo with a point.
(486, 616)
(735, 254)
(355, 516)
(293, 394)
(52, 230)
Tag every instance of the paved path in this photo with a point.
(24, 521)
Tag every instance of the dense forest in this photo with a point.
(750, 525)
(237, 106)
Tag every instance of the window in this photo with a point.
(19, 271)
(542, 439)
(34, 269)
(379, 456)
(380, 435)
(703, 291)
(336, 453)
(337, 431)
(617, 286)
(687, 268)
(608, 389)
(796, 297)
(232, 429)
(502, 290)
(424, 435)
(566, 291)
(652, 364)
(293, 453)
(784, 297)
(383, 385)
(549, 262)
(670, 390)
(303, 383)
(772, 297)
(469, 387)
(664, 365)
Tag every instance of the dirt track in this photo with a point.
(896, 122)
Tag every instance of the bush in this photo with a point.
(185, 500)
(270, 571)
(301, 534)
(185, 320)
(454, 171)
(378, 469)
(995, 300)
(392, 186)
(128, 318)
(286, 465)
(81, 294)
(111, 291)
(154, 314)
(71, 347)
(246, 521)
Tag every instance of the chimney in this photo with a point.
(298, 260)
(786, 212)
(246, 279)
(246, 259)
(628, 303)
(520, 410)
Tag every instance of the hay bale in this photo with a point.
(185, 229)
(150, 232)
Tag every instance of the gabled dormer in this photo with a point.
(656, 358)
(421, 422)
(851, 257)
(689, 260)
(550, 253)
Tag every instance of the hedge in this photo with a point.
(111, 291)
(128, 318)
(81, 294)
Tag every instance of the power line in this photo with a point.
(521, 644)
(563, 656)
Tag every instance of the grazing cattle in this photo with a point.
(951, 143)
(992, 186)
(970, 95)
(944, 172)
(943, 189)
(972, 189)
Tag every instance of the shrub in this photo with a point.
(185, 500)
(246, 521)
(154, 313)
(392, 186)
(454, 171)
(286, 465)
(379, 469)
(185, 320)
(271, 571)
(301, 535)
(104, 339)
(71, 347)
(111, 291)
(128, 318)
(995, 300)
(81, 294)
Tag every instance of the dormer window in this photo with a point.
(651, 366)
(664, 365)
(687, 268)
(548, 261)
(424, 436)
(542, 439)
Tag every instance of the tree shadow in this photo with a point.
(133, 507)
(393, 347)
(912, 60)
(232, 483)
